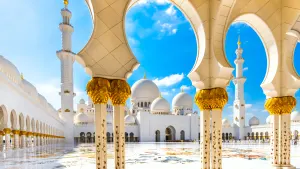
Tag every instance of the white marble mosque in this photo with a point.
(34, 134)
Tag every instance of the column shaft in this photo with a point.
(216, 132)
(274, 141)
(7, 141)
(285, 135)
(119, 139)
(101, 149)
(205, 139)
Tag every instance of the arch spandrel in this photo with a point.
(107, 53)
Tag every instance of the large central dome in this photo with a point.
(144, 89)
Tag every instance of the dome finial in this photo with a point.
(182, 90)
(66, 2)
(22, 76)
(160, 95)
(239, 42)
(145, 75)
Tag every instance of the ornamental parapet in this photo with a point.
(209, 99)
(280, 105)
(101, 89)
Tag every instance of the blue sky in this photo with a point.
(158, 33)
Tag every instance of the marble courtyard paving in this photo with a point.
(142, 155)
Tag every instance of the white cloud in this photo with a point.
(50, 90)
(245, 68)
(230, 107)
(248, 106)
(148, 2)
(162, 2)
(165, 93)
(169, 80)
(133, 41)
(185, 87)
(173, 90)
(174, 31)
(171, 11)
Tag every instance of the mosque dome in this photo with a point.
(160, 105)
(81, 118)
(82, 101)
(225, 123)
(254, 121)
(29, 88)
(109, 118)
(144, 89)
(269, 120)
(129, 120)
(295, 116)
(182, 99)
(10, 70)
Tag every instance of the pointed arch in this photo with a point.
(28, 127)
(3, 117)
(33, 125)
(21, 121)
(13, 119)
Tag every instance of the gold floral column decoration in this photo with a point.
(280, 105)
(120, 92)
(211, 101)
(280, 108)
(98, 89)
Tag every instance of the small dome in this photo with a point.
(10, 70)
(81, 118)
(129, 120)
(81, 101)
(254, 121)
(225, 123)
(182, 99)
(160, 105)
(295, 116)
(109, 118)
(144, 89)
(269, 120)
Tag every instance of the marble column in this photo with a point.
(7, 137)
(23, 139)
(120, 92)
(205, 139)
(211, 103)
(16, 138)
(280, 109)
(216, 132)
(1, 139)
(37, 139)
(98, 89)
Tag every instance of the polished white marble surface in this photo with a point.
(140, 155)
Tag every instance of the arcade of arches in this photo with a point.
(277, 23)
(18, 131)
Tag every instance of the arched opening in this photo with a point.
(296, 135)
(82, 137)
(13, 119)
(170, 133)
(182, 135)
(227, 136)
(131, 137)
(223, 136)
(89, 137)
(157, 136)
(230, 136)
(266, 135)
(28, 124)
(108, 137)
(126, 136)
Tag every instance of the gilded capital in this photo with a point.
(16, 132)
(280, 105)
(98, 89)
(120, 92)
(7, 130)
(208, 99)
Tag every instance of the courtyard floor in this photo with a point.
(140, 155)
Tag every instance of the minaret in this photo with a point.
(239, 102)
(67, 58)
